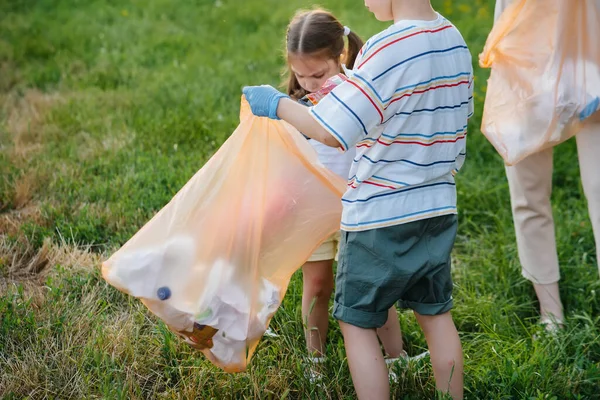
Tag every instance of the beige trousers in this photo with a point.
(530, 184)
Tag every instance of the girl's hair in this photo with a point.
(317, 33)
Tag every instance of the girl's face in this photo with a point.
(312, 72)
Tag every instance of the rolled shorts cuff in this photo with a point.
(427, 308)
(362, 319)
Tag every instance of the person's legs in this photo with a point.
(367, 286)
(316, 292)
(446, 352)
(390, 335)
(430, 297)
(551, 311)
(530, 184)
(366, 362)
(588, 149)
(362, 305)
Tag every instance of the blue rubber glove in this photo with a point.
(263, 100)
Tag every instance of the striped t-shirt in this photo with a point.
(405, 109)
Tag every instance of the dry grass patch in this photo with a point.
(21, 261)
(26, 119)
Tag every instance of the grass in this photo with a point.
(108, 107)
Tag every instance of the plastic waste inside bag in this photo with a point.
(328, 86)
(215, 262)
(545, 78)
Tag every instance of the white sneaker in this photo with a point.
(551, 327)
(270, 333)
(313, 371)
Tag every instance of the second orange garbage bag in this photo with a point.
(215, 263)
(545, 77)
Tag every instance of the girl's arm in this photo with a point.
(298, 116)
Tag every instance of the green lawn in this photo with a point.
(108, 107)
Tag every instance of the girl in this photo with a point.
(315, 52)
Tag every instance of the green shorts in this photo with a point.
(407, 263)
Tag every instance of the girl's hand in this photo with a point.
(263, 100)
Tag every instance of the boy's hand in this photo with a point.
(263, 100)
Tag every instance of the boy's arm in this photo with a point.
(266, 101)
(299, 117)
(341, 119)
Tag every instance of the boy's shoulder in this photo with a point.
(396, 28)
(403, 38)
(379, 40)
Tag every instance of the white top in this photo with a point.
(405, 111)
(333, 159)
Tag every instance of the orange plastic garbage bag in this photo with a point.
(545, 78)
(215, 262)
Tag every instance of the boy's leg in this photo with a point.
(366, 362)
(316, 292)
(391, 335)
(430, 297)
(446, 352)
(374, 269)
(364, 294)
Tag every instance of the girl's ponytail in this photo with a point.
(355, 43)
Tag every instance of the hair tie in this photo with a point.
(346, 31)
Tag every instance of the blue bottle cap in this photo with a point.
(163, 293)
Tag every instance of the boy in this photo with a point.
(405, 109)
